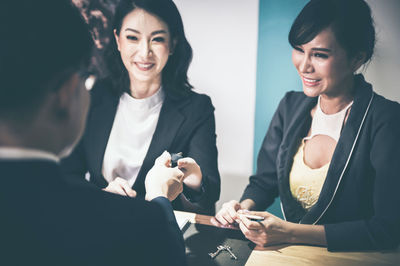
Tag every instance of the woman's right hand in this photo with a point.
(120, 186)
(227, 216)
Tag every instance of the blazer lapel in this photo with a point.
(100, 124)
(168, 124)
(297, 129)
(343, 151)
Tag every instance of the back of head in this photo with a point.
(350, 20)
(41, 42)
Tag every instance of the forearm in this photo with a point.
(247, 204)
(307, 234)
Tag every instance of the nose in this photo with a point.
(305, 65)
(144, 49)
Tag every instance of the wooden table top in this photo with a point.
(306, 255)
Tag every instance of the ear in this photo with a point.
(116, 39)
(358, 60)
(173, 46)
(65, 96)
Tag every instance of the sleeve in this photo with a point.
(74, 166)
(174, 249)
(202, 148)
(382, 230)
(263, 186)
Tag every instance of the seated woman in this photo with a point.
(331, 152)
(146, 106)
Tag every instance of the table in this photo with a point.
(306, 255)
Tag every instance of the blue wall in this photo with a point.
(275, 71)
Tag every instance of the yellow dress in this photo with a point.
(306, 183)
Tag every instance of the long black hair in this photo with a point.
(174, 74)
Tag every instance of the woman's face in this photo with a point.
(145, 45)
(324, 66)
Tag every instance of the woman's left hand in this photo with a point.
(271, 231)
(192, 171)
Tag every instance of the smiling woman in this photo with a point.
(331, 152)
(146, 106)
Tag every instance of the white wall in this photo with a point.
(223, 35)
(384, 70)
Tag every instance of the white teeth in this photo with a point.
(144, 65)
(309, 80)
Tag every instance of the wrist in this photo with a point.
(292, 237)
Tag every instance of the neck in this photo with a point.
(331, 104)
(144, 89)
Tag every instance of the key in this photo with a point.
(219, 249)
(229, 249)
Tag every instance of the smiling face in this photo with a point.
(145, 44)
(324, 66)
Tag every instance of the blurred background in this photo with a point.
(242, 59)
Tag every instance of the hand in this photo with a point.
(192, 173)
(271, 231)
(163, 180)
(227, 216)
(120, 186)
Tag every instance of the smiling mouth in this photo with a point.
(310, 82)
(144, 66)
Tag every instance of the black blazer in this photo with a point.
(44, 221)
(359, 200)
(186, 124)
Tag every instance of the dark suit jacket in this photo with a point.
(359, 200)
(186, 124)
(44, 221)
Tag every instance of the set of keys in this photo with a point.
(221, 248)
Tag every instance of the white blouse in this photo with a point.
(131, 134)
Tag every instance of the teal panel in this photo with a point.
(275, 71)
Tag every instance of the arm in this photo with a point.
(202, 148)
(382, 229)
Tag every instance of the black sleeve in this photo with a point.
(174, 251)
(263, 186)
(202, 148)
(382, 230)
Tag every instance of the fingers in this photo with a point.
(256, 236)
(120, 186)
(164, 159)
(187, 161)
(227, 215)
(251, 225)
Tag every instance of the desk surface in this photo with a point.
(306, 255)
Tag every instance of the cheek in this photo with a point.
(296, 59)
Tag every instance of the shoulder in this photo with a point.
(384, 110)
(193, 101)
(292, 101)
(102, 91)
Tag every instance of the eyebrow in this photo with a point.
(322, 50)
(153, 33)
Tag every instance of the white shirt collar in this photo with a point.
(14, 153)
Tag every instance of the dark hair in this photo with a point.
(174, 74)
(43, 43)
(350, 20)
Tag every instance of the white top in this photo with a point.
(130, 137)
(329, 125)
(14, 153)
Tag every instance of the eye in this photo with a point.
(298, 49)
(159, 39)
(321, 55)
(132, 38)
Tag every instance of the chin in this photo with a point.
(310, 92)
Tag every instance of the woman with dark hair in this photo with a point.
(146, 106)
(332, 152)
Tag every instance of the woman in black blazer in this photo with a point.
(332, 152)
(145, 107)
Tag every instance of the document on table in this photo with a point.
(182, 222)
